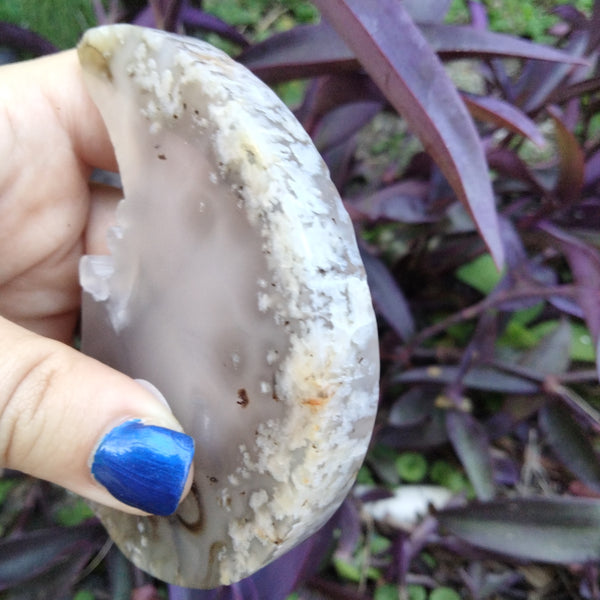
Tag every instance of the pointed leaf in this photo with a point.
(459, 41)
(329, 92)
(393, 51)
(404, 202)
(511, 166)
(503, 114)
(479, 378)
(584, 261)
(551, 355)
(571, 443)
(387, 297)
(538, 82)
(304, 51)
(554, 530)
(343, 122)
(30, 554)
(195, 18)
(20, 38)
(472, 446)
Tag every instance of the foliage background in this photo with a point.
(489, 418)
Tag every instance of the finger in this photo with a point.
(69, 419)
(58, 77)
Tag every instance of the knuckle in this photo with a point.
(23, 406)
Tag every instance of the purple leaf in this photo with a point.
(592, 170)
(427, 11)
(387, 297)
(342, 122)
(509, 164)
(551, 356)
(421, 436)
(25, 40)
(576, 90)
(571, 161)
(397, 57)
(195, 18)
(405, 202)
(479, 378)
(33, 553)
(570, 14)
(556, 530)
(584, 261)
(278, 579)
(304, 51)
(459, 41)
(479, 17)
(538, 82)
(471, 444)
(503, 114)
(329, 92)
(145, 18)
(570, 443)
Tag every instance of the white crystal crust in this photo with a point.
(248, 309)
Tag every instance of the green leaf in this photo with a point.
(73, 513)
(353, 572)
(411, 466)
(416, 592)
(5, 486)
(481, 274)
(386, 592)
(444, 593)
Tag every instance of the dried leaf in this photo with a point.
(390, 47)
(471, 444)
(571, 163)
(553, 530)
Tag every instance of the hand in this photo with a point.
(63, 414)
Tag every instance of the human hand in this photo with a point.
(56, 405)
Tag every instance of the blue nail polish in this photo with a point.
(144, 466)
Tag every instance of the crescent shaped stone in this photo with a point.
(234, 284)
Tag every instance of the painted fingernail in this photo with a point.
(144, 466)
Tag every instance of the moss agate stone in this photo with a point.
(235, 286)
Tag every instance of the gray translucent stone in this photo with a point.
(235, 286)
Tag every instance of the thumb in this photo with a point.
(69, 419)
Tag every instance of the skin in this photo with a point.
(55, 403)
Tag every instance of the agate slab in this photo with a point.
(235, 286)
